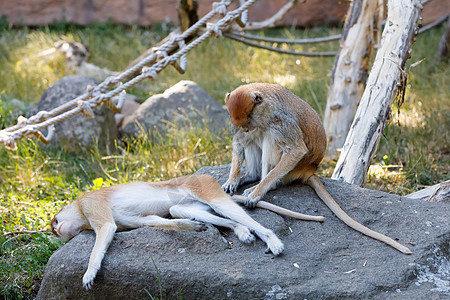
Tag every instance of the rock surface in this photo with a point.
(321, 261)
(78, 133)
(146, 12)
(184, 103)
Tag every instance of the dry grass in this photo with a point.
(34, 182)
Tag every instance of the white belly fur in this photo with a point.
(141, 199)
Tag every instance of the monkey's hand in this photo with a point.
(252, 198)
(231, 186)
(88, 278)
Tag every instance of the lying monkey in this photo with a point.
(133, 205)
(282, 140)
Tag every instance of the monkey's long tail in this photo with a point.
(280, 210)
(318, 187)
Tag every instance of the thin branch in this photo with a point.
(285, 41)
(291, 52)
(434, 24)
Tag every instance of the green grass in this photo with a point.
(36, 181)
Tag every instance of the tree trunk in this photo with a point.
(187, 13)
(386, 78)
(349, 73)
(444, 44)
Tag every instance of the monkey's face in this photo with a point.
(63, 229)
(65, 225)
(241, 104)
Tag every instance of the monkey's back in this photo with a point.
(310, 124)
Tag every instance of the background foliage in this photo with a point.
(36, 181)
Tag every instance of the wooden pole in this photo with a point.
(386, 79)
(349, 75)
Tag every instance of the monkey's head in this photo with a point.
(67, 223)
(242, 104)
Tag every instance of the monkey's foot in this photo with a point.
(274, 245)
(230, 186)
(244, 234)
(197, 225)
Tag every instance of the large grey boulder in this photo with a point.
(321, 261)
(79, 134)
(183, 104)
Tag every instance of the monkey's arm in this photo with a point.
(100, 217)
(104, 236)
(237, 157)
(320, 190)
(288, 161)
(280, 210)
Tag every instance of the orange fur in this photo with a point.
(187, 199)
(239, 106)
(281, 122)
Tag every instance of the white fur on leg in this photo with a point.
(200, 212)
(228, 208)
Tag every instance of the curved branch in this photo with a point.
(286, 41)
(434, 24)
(291, 52)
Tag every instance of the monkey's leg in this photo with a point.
(252, 165)
(270, 156)
(200, 212)
(287, 162)
(134, 221)
(230, 209)
(237, 157)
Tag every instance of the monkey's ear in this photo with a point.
(257, 98)
(227, 96)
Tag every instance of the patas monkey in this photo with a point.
(282, 140)
(127, 206)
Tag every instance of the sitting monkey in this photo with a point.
(134, 205)
(282, 140)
